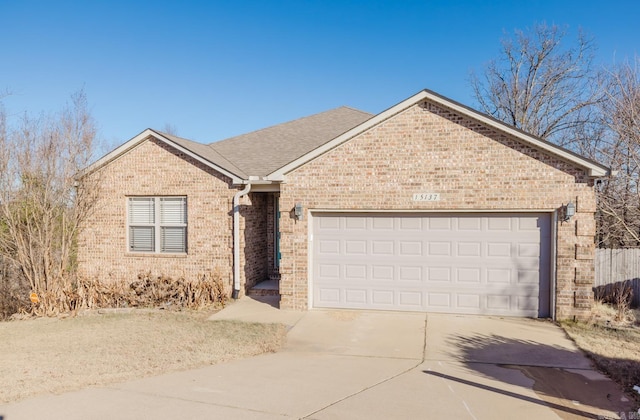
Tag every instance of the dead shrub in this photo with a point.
(194, 293)
(73, 294)
(619, 294)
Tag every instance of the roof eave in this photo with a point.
(593, 169)
(145, 135)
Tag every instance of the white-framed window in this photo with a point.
(157, 224)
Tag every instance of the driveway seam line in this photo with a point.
(382, 381)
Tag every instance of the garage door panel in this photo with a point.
(411, 224)
(499, 249)
(485, 264)
(355, 272)
(355, 247)
(409, 273)
(468, 301)
(499, 302)
(499, 224)
(328, 295)
(410, 248)
(437, 300)
(468, 275)
(439, 223)
(411, 300)
(383, 272)
(382, 297)
(528, 250)
(326, 246)
(469, 249)
(528, 277)
(356, 296)
(356, 223)
(468, 223)
(328, 271)
(382, 223)
(439, 274)
(499, 276)
(329, 223)
(382, 248)
(438, 249)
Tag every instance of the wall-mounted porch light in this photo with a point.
(569, 211)
(298, 211)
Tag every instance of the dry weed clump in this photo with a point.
(196, 293)
(153, 291)
(147, 290)
(619, 295)
(608, 315)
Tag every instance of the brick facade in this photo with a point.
(253, 242)
(429, 148)
(154, 169)
(424, 148)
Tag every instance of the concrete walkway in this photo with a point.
(365, 365)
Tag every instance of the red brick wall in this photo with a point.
(428, 148)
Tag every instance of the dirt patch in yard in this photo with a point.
(50, 355)
(612, 345)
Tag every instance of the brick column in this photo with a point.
(576, 253)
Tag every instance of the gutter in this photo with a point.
(236, 239)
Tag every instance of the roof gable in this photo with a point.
(594, 169)
(197, 151)
(272, 152)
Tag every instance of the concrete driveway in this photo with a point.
(366, 365)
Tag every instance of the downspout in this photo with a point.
(236, 239)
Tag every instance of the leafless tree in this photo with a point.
(619, 197)
(170, 129)
(541, 85)
(41, 206)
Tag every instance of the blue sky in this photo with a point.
(214, 69)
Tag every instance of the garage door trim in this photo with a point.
(548, 236)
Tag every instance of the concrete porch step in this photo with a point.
(265, 288)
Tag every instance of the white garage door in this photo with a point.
(495, 264)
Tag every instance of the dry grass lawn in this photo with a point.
(614, 346)
(51, 355)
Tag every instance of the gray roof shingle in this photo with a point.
(264, 151)
(206, 152)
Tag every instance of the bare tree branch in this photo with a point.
(41, 210)
(540, 86)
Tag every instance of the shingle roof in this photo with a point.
(264, 151)
(275, 151)
(206, 152)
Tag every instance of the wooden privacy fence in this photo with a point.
(614, 266)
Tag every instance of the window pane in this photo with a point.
(173, 210)
(141, 210)
(141, 238)
(173, 239)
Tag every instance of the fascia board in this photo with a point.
(595, 170)
(146, 134)
(377, 119)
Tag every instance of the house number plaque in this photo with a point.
(426, 197)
